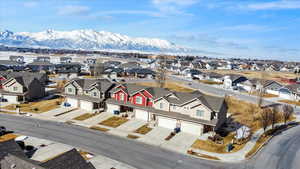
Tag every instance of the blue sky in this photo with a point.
(240, 28)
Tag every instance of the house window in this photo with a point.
(161, 105)
(70, 90)
(200, 113)
(121, 96)
(138, 100)
(15, 88)
(95, 94)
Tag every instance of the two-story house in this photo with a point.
(18, 89)
(88, 94)
(193, 113)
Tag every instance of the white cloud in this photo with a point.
(275, 5)
(73, 10)
(30, 4)
(173, 7)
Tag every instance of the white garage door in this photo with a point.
(72, 102)
(272, 91)
(11, 99)
(191, 128)
(141, 114)
(86, 105)
(111, 108)
(166, 122)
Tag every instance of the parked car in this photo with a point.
(2, 130)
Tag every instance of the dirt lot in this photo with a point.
(257, 74)
(169, 85)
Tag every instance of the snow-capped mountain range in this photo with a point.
(88, 40)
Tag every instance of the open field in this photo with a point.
(37, 107)
(174, 86)
(257, 74)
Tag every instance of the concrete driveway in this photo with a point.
(46, 149)
(72, 114)
(95, 120)
(101, 162)
(54, 112)
(181, 142)
(132, 125)
(156, 136)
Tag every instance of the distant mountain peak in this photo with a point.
(87, 39)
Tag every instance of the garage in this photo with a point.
(86, 105)
(11, 99)
(191, 128)
(141, 114)
(167, 122)
(111, 108)
(72, 102)
(285, 94)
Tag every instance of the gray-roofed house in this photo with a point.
(88, 94)
(193, 113)
(19, 89)
(65, 59)
(13, 157)
(41, 64)
(232, 80)
(290, 92)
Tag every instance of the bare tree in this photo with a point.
(274, 116)
(161, 71)
(287, 112)
(98, 68)
(261, 89)
(265, 118)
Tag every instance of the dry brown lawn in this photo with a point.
(290, 102)
(171, 85)
(7, 137)
(265, 95)
(85, 116)
(211, 146)
(131, 136)
(8, 112)
(114, 121)
(245, 113)
(143, 130)
(37, 107)
(209, 82)
(99, 128)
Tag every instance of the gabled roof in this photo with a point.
(86, 84)
(69, 160)
(295, 88)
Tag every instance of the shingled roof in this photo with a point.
(69, 160)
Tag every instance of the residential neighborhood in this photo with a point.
(152, 84)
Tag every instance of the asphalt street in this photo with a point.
(281, 153)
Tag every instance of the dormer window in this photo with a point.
(70, 90)
(94, 94)
(161, 105)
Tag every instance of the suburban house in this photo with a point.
(65, 59)
(68, 68)
(42, 77)
(290, 92)
(193, 113)
(41, 64)
(12, 156)
(88, 94)
(266, 86)
(22, 88)
(232, 80)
